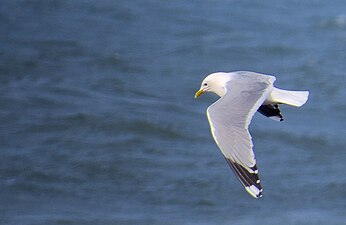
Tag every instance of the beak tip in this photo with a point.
(198, 93)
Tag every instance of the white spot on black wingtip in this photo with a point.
(260, 193)
(258, 181)
(254, 191)
(276, 118)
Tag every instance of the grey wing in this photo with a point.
(229, 118)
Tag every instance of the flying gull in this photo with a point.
(242, 94)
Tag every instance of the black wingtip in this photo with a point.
(249, 179)
(271, 111)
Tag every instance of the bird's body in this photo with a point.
(242, 94)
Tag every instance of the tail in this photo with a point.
(293, 98)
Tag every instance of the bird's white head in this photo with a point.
(215, 82)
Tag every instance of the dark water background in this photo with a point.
(99, 126)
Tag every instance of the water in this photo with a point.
(99, 124)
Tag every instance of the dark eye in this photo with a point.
(205, 84)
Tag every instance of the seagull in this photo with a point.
(242, 93)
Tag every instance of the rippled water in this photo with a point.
(99, 124)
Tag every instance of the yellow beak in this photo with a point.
(198, 93)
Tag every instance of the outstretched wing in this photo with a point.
(229, 118)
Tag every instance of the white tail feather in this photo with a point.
(293, 98)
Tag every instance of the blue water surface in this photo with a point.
(99, 124)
